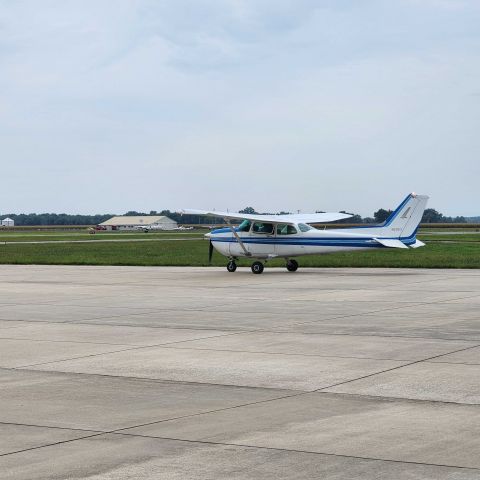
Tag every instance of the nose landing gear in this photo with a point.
(231, 266)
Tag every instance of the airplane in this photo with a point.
(183, 227)
(264, 237)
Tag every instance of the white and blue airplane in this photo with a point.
(264, 237)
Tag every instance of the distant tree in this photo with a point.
(30, 219)
(133, 213)
(368, 220)
(248, 211)
(354, 219)
(381, 215)
(430, 215)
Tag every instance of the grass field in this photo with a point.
(450, 251)
(84, 236)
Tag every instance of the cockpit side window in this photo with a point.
(260, 227)
(285, 229)
(244, 226)
(304, 227)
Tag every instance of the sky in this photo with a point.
(277, 104)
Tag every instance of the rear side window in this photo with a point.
(285, 229)
(304, 227)
(260, 227)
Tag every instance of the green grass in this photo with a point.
(84, 236)
(460, 237)
(195, 252)
(75, 236)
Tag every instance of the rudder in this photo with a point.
(403, 222)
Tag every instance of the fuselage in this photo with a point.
(296, 240)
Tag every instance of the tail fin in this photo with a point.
(404, 221)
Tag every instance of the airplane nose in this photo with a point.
(208, 235)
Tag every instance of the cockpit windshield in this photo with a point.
(304, 227)
(244, 226)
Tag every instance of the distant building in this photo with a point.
(147, 222)
(8, 222)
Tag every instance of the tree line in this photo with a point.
(430, 215)
(56, 219)
(29, 219)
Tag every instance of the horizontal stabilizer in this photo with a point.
(390, 242)
(417, 244)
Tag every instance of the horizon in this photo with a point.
(3, 216)
(308, 104)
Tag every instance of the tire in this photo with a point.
(292, 265)
(231, 266)
(257, 267)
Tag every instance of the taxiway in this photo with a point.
(195, 373)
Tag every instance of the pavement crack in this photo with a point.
(140, 347)
(50, 444)
(396, 368)
(261, 447)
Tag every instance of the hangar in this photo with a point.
(8, 222)
(125, 222)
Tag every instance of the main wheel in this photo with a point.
(231, 266)
(292, 266)
(257, 267)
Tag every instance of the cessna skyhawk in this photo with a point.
(264, 237)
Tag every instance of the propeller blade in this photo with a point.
(210, 252)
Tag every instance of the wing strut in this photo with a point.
(239, 240)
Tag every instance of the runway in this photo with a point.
(197, 373)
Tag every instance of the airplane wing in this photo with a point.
(315, 217)
(289, 218)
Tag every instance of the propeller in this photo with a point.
(210, 252)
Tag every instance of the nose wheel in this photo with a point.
(292, 265)
(231, 266)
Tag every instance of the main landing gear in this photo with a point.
(292, 265)
(258, 267)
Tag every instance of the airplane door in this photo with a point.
(287, 235)
(261, 240)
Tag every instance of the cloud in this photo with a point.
(280, 104)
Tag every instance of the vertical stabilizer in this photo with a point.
(404, 221)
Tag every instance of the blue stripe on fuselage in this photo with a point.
(317, 241)
(221, 230)
(324, 242)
